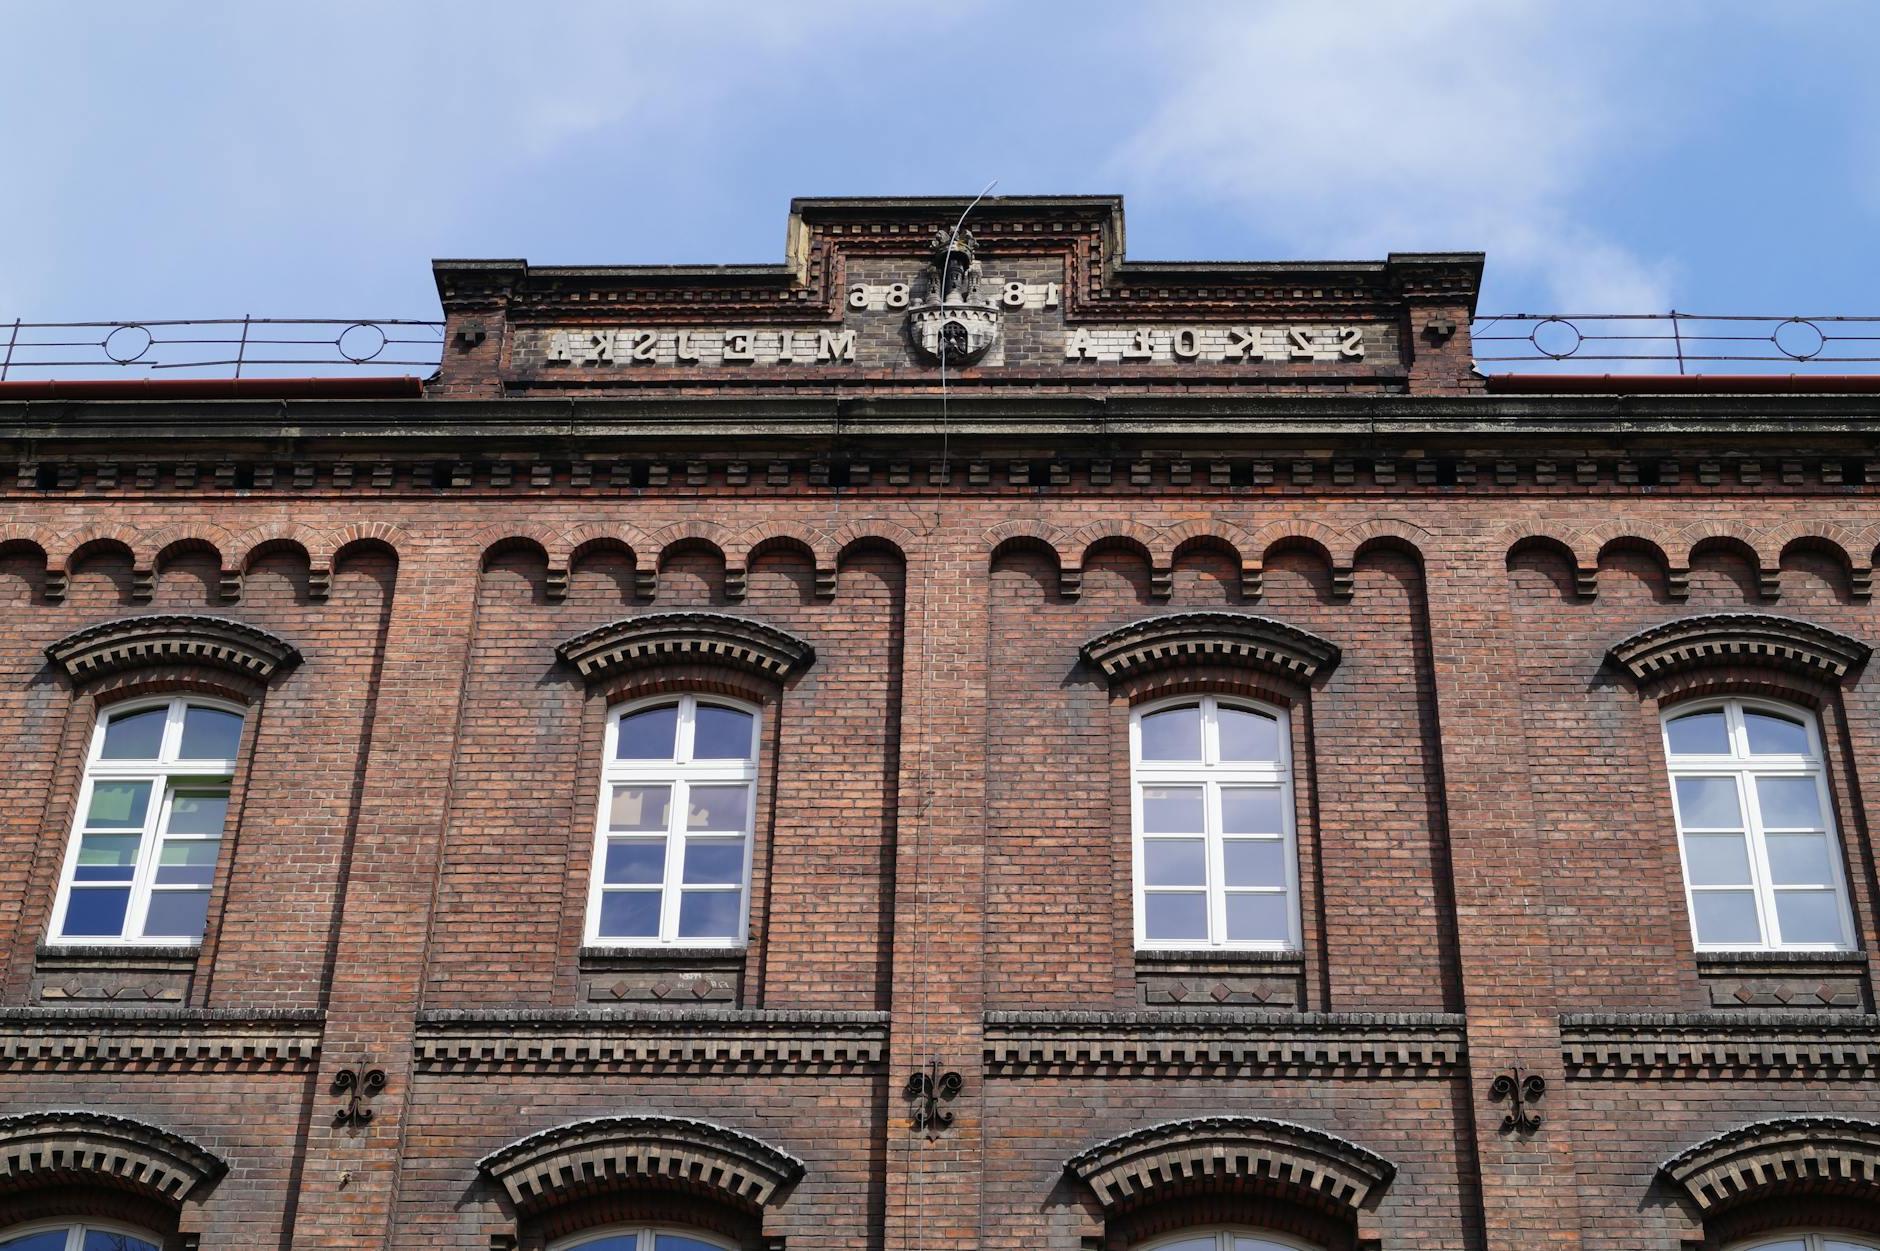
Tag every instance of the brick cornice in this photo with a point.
(1135, 1167)
(574, 1160)
(686, 637)
(168, 639)
(1223, 1043)
(629, 1038)
(64, 1147)
(1734, 638)
(1182, 638)
(140, 1039)
(1775, 1156)
(1687, 1044)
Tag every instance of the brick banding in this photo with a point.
(1182, 638)
(1778, 1154)
(679, 637)
(587, 1157)
(1736, 638)
(1374, 1043)
(1720, 1044)
(649, 1038)
(1138, 1166)
(139, 1038)
(92, 1148)
(132, 642)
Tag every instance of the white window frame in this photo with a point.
(1224, 1236)
(167, 774)
(643, 1237)
(1743, 768)
(75, 1232)
(1212, 774)
(1812, 1240)
(680, 774)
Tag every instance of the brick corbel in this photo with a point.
(133, 642)
(687, 637)
(1735, 638)
(92, 1148)
(1765, 1158)
(1185, 638)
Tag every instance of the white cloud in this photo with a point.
(1352, 129)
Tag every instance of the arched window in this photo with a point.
(1224, 1240)
(1762, 866)
(149, 827)
(1213, 814)
(672, 842)
(1808, 1242)
(643, 1239)
(90, 1236)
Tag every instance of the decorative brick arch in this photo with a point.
(1849, 550)
(1536, 537)
(172, 638)
(1236, 1153)
(1010, 536)
(1183, 638)
(1130, 536)
(91, 542)
(1766, 1159)
(687, 638)
(583, 1158)
(1664, 547)
(62, 1148)
(1712, 536)
(1735, 638)
(1322, 541)
(759, 540)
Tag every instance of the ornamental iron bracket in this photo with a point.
(929, 1089)
(356, 1086)
(1524, 1090)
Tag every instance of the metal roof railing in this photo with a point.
(253, 347)
(1688, 342)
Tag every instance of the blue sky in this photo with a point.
(210, 159)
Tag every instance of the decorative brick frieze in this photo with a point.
(1776, 980)
(1220, 979)
(1224, 1043)
(170, 639)
(640, 1039)
(687, 638)
(1721, 1044)
(136, 1039)
(1736, 638)
(635, 975)
(1835, 1153)
(578, 1159)
(113, 974)
(1210, 637)
(92, 1148)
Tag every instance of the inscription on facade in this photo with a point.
(1323, 344)
(604, 347)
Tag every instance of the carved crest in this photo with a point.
(953, 326)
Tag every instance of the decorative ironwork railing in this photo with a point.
(1685, 342)
(252, 347)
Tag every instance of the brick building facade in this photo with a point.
(934, 747)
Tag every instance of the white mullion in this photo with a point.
(1751, 800)
(156, 817)
(676, 807)
(1215, 858)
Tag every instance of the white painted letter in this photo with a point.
(834, 345)
(738, 345)
(1082, 345)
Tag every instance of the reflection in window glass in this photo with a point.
(642, 1240)
(75, 1237)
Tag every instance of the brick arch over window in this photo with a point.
(1740, 638)
(1236, 1154)
(580, 1160)
(687, 637)
(92, 1149)
(1185, 638)
(1823, 1155)
(168, 639)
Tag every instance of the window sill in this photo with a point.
(662, 975)
(1222, 977)
(1793, 981)
(128, 973)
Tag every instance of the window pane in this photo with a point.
(176, 914)
(679, 1242)
(648, 735)
(1258, 918)
(188, 862)
(1172, 810)
(1203, 1243)
(721, 734)
(94, 913)
(1716, 859)
(1799, 860)
(714, 861)
(1174, 862)
(50, 1240)
(1775, 736)
(635, 862)
(1699, 734)
(718, 808)
(710, 913)
(118, 805)
(1172, 734)
(134, 735)
(1808, 916)
(106, 857)
(1789, 803)
(198, 812)
(1709, 803)
(210, 734)
(1251, 810)
(1247, 735)
(98, 1240)
(629, 914)
(1254, 861)
(1244, 1243)
(1175, 917)
(1726, 916)
(638, 807)
(612, 1242)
